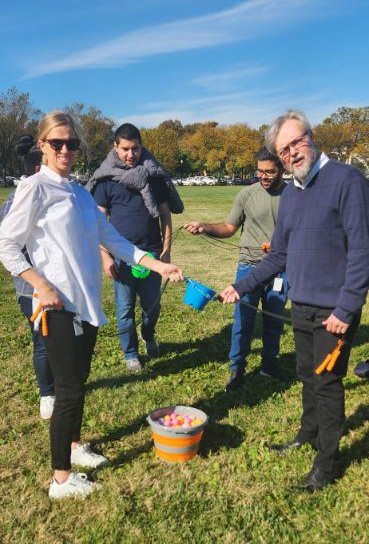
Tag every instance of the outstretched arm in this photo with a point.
(218, 230)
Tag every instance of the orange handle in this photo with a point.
(335, 354)
(333, 360)
(323, 364)
(44, 325)
(36, 313)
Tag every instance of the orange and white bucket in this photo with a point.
(177, 444)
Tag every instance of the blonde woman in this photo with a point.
(61, 226)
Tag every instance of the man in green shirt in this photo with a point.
(255, 210)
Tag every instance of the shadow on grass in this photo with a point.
(190, 354)
(361, 336)
(357, 419)
(255, 390)
(359, 450)
(219, 436)
(216, 436)
(117, 434)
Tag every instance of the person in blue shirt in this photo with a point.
(132, 189)
(322, 237)
(31, 156)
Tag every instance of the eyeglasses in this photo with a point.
(57, 145)
(267, 173)
(285, 152)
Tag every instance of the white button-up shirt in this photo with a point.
(62, 227)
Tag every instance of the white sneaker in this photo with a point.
(75, 484)
(134, 364)
(46, 407)
(84, 457)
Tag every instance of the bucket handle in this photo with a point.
(210, 298)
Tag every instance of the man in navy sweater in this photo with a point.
(322, 237)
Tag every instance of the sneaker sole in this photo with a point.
(71, 495)
(102, 464)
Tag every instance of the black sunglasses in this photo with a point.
(72, 144)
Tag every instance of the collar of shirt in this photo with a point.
(321, 161)
(54, 175)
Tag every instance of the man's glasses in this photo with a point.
(57, 145)
(266, 173)
(285, 152)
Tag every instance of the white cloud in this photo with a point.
(226, 80)
(254, 108)
(243, 21)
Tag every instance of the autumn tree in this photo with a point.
(223, 149)
(203, 145)
(345, 133)
(241, 144)
(97, 134)
(163, 142)
(17, 116)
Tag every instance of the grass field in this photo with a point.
(235, 490)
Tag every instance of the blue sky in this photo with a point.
(193, 60)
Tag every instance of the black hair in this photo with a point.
(265, 155)
(30, 154)
(24, 144)
(127, 131)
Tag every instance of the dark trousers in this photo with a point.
(323, 397)
(70, 360)
(44, 377)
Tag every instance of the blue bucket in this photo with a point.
(197, 295)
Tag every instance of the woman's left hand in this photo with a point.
(171, 272)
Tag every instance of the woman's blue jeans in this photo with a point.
(244, 323)
(126, 289)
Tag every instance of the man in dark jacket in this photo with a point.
(322, 237)
(133, 189)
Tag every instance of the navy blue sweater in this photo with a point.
(322, 237)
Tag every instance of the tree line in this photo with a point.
(184, 150)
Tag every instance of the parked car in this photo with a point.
(251, 181)
(7, 181)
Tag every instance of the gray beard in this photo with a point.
(302, 173)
